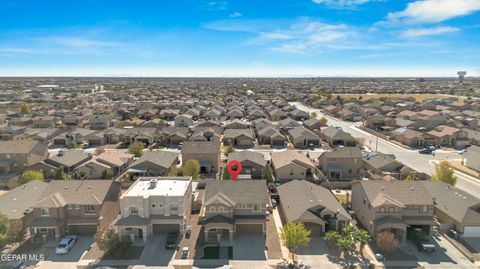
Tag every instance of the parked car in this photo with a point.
(188, 231)
(172, 239)
(425, 151)
(66, 244)
(184, 253)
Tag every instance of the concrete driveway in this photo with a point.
(154, 252)
(473, 242)
(83, 244)
(249, 247)
(445, 255)
(316, 254)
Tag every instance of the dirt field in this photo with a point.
(418, 97)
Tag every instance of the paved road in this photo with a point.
(411, 158)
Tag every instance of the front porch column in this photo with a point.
(230, 233)
(206, 234)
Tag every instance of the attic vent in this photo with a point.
(383, 188)
(89, 187)
(412, 188)
(66, 187)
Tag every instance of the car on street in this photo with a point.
(425, 151)
(66, 244)
(172, 239)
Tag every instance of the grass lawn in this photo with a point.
(211, 253)
(342, 198)
(124, 251)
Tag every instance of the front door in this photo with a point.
(140, 233)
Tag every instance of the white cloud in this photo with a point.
(418, 32)
(235, 14)
(433, 11)
(341, 3)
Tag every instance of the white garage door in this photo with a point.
(471, 232)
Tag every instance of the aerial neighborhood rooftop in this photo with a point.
(372, 173)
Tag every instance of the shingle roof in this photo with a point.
(283, 158)
(404, 192)
(201, 147)
(252, 156)
(452, 201)
(161, 158)
(79, 192)
(14, 203)
(18, 146)
(242, 191)
(298, 196)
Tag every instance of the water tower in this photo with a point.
(461, 75)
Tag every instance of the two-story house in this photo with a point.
(16, 156)
(343, 163)
(232, 208)
(154, 206)
(74, 207)
(206, 153)
(394, 206)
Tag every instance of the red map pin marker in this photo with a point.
(232, 171)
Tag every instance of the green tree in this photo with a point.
(107, 174)
(25, 109)
(314, 115)
(227, 150)
(294, 235)
(267, 173)
(323, 121)
(29, 175)
(363, 237)
(160, 139)
(331, 237)
(4, 227)
(346, 245)
(444, 173)
(60, 174)
(191, 168)
(107, 240)
(136, 148)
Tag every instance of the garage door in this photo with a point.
(248, 229)
(316, 229)
(165, 228)
(470, 231)
(82, 229)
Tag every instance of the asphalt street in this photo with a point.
(421, 162)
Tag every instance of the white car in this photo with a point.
(66, 244)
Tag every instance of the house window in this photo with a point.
(291, 173)
(212, 209)
(128, 229)
(160, 205)
(69, 207)
(45, 212)
(77, 207)
(256, 208)
(349, 171)
(90, 209)
(221, 209)
(391, 210)
(174, 209)
(133, 210)
(153, 205)
(424, 208)
(382, 209)
(364, 201)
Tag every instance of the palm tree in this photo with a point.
(363, 237)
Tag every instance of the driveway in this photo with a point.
(249, 247)
(83, 245)
(316, 254)
(154, 252)
(445, 255)
(473, 242)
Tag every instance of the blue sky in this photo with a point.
(240, 38)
